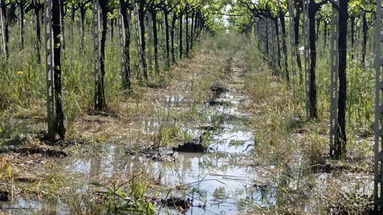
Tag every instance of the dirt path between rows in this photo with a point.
(202, 104)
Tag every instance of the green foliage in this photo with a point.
(357, 7)
(133, 202)
(167, 134)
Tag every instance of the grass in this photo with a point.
(298, 148)
(22, 116)
(167, 134)
(116, 196)
(285, 140)
(133, 201)
(23, 85)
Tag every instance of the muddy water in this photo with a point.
(219, 182)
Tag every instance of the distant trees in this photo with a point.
(21, 5)
(152, 8)
(124, 6)
(37, 7)
(82, 6)
(139, 8)
(173, 24)
(165, 8)
(265, 12)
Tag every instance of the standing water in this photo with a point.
(223, 180)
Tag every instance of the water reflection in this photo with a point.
(219, 182)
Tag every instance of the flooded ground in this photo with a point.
(223, 180)
(260, 154)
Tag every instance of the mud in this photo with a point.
(218, 182)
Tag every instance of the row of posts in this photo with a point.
(269, 44)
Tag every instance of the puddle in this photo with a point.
(219, 181)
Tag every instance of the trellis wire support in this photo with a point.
(306, 29)
(49, 46)
(123, 30)
(97, 45)
(334, 89)
(292, 42)
(2, 33)
(378, 147)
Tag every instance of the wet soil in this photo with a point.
(200, 181)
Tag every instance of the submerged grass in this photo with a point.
(133, 201)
